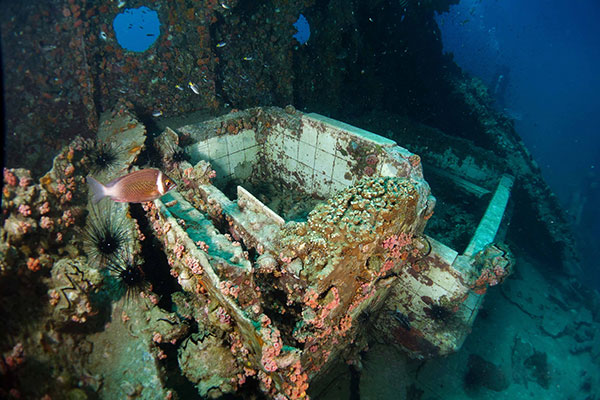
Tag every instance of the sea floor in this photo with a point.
(533, 339)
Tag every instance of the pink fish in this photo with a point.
(136, 187)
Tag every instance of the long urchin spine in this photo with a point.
(128, 273)
(105, 235)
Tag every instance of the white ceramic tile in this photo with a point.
(290, 146)
(217, 147)
(442, 278)
(457, 288)
(327, 142)
(248, 137)
(235, 159)
(404, 296)
(306, 154)
(309, 135)
(251, 154)
(274, 144)
(235, 143)
(411, 284)
(323, 163)
(340, 168)
(434, 291)
(290, 164)
(334, 125)
(199, 152)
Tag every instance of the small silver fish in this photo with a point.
(136, 187)
(221, 44)
(194, 87)
(157, 113)
(248, 58)
(49, 47)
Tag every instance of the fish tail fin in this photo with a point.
(98, 189)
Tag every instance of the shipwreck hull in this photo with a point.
(288, 297)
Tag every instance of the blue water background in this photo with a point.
(137, 29)
(303, 29)
(549, 52)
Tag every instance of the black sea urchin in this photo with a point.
(439, 313)
(105, 235)
(130, 276)
(173, 154)
(101, 156)
(180, 156)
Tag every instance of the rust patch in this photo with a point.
(413, 273)
(425, 280)
(414, 341)
(435, 261)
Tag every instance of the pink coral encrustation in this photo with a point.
(396, 243)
